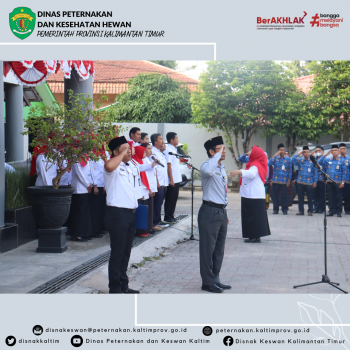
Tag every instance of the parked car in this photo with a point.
(186, 172)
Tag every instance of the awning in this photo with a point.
(36, 72)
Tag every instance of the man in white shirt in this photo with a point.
(162, 178)
(135, 136)
(120, 213)
(174, 176)
(144, 138)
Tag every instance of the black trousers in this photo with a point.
(302, 189)
(212, 224)
(275, 190)
(334, 198)
(157, 205)
(120, 223)
(97, 209)
(318, 194)
(171, 196)
(79, 216)
(346, 194)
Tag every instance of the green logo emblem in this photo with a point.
(22, 22)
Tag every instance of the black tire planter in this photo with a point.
(50, 207)
(51, 210)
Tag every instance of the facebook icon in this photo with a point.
(228, 341)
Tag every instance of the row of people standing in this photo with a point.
(311, 182)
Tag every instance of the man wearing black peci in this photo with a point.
(120, 213)
(212, 216)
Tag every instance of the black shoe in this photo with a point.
(330, 214)
(116, 292)
(223, 286)
(315, 211)
(252, 240)
(275, 212)
(285, 213)
(130, 291)
(339, 215)
(76, 239)
(170, 221)
(212, 289)
(98, 235)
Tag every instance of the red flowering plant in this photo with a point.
(71, 133)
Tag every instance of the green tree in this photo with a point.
(294, 69)
(239, 98)
(69, 133)
(330, 94)
(168, 64)
(153, 98)
(294, 119)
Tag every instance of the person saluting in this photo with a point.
(212, 216)
(120, 213)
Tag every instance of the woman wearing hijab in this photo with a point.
(140, 153)
(255, 223)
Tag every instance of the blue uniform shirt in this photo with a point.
(318, 175)
(306, 174)
(346, 162)
(335, 168)
(282, 169)
(243, 158)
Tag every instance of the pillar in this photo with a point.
(14, 123)
(2, 148)
(78, 86)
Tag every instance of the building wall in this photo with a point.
(111, 99)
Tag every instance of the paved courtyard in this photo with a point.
(292, 255)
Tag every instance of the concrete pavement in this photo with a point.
(292, 255)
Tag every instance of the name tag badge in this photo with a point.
(309, 170)
(218, 174)
(337, 167)
(283, 167)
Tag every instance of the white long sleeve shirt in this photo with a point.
(81, 178)
(151, 175)
(175, 163)
(96, 169)
(46, 171)
(252, 185)
(162, 172)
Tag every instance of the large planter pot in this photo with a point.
(51, 210)
(50, 207)
(24, 218)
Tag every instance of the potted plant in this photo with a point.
(66, 134)
(18, 212)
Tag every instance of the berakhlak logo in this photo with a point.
(207, 331)
(228, 341)
(76, 341)
(22, 22)
(10, 340)
(38, 330)
(315, 20)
